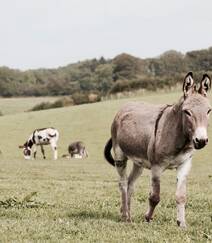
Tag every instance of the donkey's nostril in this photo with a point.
(200, 143)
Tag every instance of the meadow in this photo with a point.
(22, 104)
(79, 200)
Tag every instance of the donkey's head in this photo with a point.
(196, 109)
(26, 151)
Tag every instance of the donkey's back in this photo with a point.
(133, 127)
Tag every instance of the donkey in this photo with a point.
(44, 136)
(159, 137)
(76, 150)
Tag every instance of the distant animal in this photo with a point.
(159, 137)
(40, 137)
(76, 150)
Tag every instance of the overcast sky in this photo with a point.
(52, 33)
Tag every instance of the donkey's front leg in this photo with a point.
(54, 149)
(154, 197)
(42, 151)
(182, 173)
(35, 151)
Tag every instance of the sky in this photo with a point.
(53, 33)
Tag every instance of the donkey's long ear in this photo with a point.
(188, 85)
(205, 85)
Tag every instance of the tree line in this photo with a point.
(105, 76)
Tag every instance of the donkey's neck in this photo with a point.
(182, 141)
(30, 141)
(170, 138)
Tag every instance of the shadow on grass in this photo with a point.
(98, 215)
(116, 218)
(89, 214)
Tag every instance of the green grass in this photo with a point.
(17, 105)
(78, 200)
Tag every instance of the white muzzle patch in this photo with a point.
(200, 133)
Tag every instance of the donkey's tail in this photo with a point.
(107, 152)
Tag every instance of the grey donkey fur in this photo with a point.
(76, 150)
(159, 137)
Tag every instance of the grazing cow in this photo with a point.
(160, 137)
(44, 136)
(76, 150)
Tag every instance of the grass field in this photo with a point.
(17, 105)
(78, 200)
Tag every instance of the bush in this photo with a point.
(75, 99)
(94, 98)
(148, 83)
(80, 98)
(41, 106)
(66, 101)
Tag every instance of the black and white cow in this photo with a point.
(44, 136)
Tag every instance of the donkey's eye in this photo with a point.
(209, 111)
(187, 112)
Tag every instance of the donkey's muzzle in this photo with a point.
(200, 143)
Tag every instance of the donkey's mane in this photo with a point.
(159, 117)
(177, 106)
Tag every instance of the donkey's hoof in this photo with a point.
(181, 224)
(126, 219)
(129, 219)
(148, 218)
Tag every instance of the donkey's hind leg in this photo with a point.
(121, 167)
(135, 173)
